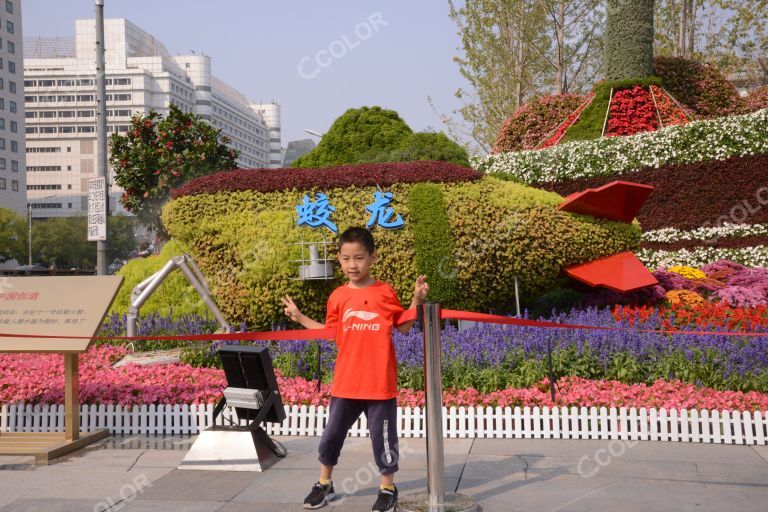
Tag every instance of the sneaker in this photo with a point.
(386, 501)
(319, 496)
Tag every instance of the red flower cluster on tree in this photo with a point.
(631, 111)
(670, 113)
(560, 131)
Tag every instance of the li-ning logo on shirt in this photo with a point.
(362, 315)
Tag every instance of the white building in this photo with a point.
(60, 89)
(13, 183)
(271, 114)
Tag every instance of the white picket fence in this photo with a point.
(458, 422)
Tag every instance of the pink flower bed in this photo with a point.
(39, 378)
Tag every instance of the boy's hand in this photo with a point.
(420, 290)
(291, 310)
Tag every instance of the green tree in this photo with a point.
(427, 146)
(629, 39)
(159, 153)
(730, 34)
(63, 241)
(13, 236)
(358, 135)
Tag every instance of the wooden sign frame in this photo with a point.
(48, 307)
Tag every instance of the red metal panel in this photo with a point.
(621, 272)
(618, 200)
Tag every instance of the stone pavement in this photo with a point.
(139, 474)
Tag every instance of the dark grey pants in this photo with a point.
(382, 425)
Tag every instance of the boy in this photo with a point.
(365, 377)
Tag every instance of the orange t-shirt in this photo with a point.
(366, 367)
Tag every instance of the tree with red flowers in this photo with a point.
(160, 153)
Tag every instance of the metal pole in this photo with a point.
(435, 500)
(517, 297)
(29, 208)
(433, 390)
(101, 130)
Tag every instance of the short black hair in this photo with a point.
(360, 235)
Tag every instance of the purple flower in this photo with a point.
(671, 281)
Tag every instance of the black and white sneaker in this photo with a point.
(386, 501)
(319, 496)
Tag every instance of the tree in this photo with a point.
(359, 135)
(160, 153)
(629, 39)
(514, 50)
(63, 241)
(13, 235)
(427, 146)
(730, 34)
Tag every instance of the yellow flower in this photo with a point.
(688, 272)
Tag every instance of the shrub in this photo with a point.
(362, 175)
(433, 244)
(698, 141)
(757, 99)
(426, 146)
(244, 242)
(686, 197)
(699, 86)
(530, 123)
(358, 135)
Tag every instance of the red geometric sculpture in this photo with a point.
(618, 200)
(621, 272)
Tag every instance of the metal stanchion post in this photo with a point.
(436, 500)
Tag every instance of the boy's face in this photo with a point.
(355, 261)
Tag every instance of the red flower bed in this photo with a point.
(707, 315)
(670, 113)
(631, 111)
(757, 99)
(530, 123)
(359, 175)
(560, 132)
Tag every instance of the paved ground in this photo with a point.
(139, 474)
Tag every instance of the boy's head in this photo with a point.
(357, 252)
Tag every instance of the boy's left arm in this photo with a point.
(420, 291)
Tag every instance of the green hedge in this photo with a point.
(629, 39)
(433, 244)
(244, 242)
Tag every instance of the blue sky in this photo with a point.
(394, 54)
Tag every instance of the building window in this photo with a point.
(9, 26)
(30, 99)
(66, 113)
(2, 183)
(85, 113)
(66, 129)
(12, 86)
(47, 129)
(2, 123)
(30, 129)
(15, 185)
(11, 47)
(14, 146)
(82, 82)
(11, 67)
(14, 127)
(47, 83)
(86, 129)
(30, 83)
(66, 83)
(29, 114)
(14, 165)
(13, 107)
(48, 113)
(9, 6)
(2, 164)
(69, 187)
(85, 97)
(67, 98)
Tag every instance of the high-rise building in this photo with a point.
(295, 149)
(271, 114)
(60, 100)
(13, 182)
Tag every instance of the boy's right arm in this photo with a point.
(293, 312)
